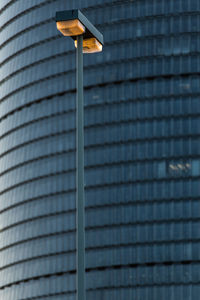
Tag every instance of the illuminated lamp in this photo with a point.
(90, 45)
(87, 40)
(70, 28)
(73, 23)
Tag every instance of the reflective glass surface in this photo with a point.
(142, 154)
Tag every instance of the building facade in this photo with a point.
(142, 154)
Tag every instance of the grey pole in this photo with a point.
(80, 205)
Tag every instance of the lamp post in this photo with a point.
(87, 40)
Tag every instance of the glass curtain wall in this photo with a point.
(142, 154)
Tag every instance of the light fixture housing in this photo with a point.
(70, 28)
(91, 45)
(73, 23)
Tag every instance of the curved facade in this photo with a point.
(142, 163)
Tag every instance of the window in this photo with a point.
(161, 169)
(195, 166)
(179, 168)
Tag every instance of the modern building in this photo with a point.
(142, 151)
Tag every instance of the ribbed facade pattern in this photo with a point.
(142, 153)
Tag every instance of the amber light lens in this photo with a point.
(70, 28)
(91, 45)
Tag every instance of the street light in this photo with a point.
(74, 24)
(87, 40)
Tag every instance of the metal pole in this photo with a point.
(80, 205)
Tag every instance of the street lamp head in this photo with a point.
(90, 45)
(70, 28)
(73, 23)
